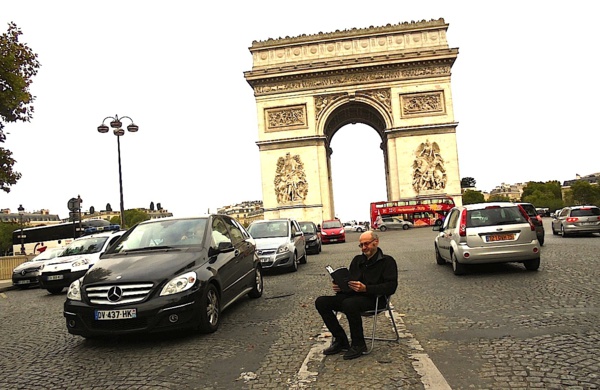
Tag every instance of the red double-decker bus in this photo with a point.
(421, 210)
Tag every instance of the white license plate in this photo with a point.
(123, 314)
(55, 277)
(588, 223)
(23, 282)
(265, 259)
(333, 240)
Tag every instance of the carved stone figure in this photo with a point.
(290, 179)
(428, 168)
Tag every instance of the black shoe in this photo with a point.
(355, 351)
(336, 346)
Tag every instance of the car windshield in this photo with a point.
(84, 246)
(268, 229)
(494, 216)
(48, 254)
(163, 233)
(308, 227)
(332, 224)
(585, 212)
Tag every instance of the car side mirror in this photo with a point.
(222, 247)
(298, 234)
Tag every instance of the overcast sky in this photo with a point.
(524, 89)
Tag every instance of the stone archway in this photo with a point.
(394, 78)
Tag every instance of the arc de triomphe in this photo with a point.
(394, 78)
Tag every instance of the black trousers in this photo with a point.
(349, 304)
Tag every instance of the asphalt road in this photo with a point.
(497, 327)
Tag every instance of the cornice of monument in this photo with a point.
(351, 33)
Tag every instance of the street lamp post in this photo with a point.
(21, 211)
(116, 125)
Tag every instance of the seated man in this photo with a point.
(371, 274)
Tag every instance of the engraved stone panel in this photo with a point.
(419, 104)
(290, 179)
(285, 118)
(429, 172)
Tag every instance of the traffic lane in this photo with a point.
(38, 352)
(501, 326)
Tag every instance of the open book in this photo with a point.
(341, 277)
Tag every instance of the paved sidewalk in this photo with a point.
(6, 285)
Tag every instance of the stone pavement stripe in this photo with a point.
(431, 377)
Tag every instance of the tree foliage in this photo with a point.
(498, 198)
(6, 231)
(8, 177)
(467, 182)
(18, 65)
(585, 193)
(543, 194)
(470, 197)
(135, 216)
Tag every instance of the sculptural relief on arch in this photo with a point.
(394, 78)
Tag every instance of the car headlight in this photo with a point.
(179, 284)
(42, 266)
(79, 263)
(323, 233)
(311, 238)
(74, 292)
(283, 249)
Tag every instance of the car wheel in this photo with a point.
(257, 289)
(532, 265)
(303, 258)
(554, 231)
(405, 227)
(210, 311)
(383, 228)
(438, 258)
(55, 290)
(562, 231)
(294, 266)
(359, 230)
(458, 268)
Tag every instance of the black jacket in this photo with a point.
(379, 274)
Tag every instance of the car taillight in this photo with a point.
(462, 228)
(572, 219)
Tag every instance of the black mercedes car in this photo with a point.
(166, 274)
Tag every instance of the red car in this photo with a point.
(332, 231)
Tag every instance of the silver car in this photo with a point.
(280, 243)
(576, 220)
(500, 232)
(394, 223)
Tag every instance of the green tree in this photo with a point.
(551, 188)
(470, 197)
(585, 193)
(135, 216)
(498, 198)
(467, 182)
(546, 194)
(18, 65)
(6, 231)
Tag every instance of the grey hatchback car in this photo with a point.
(481, 233)
(576, 220)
